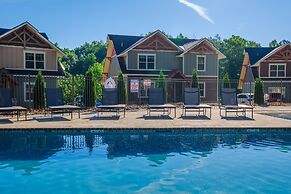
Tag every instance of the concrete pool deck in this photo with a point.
(134, 119)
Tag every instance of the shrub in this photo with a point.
(226, 81)
(161, 83)
(89, 90)
(39, 101)
(122, 94)
(194, 83)
(259, 92)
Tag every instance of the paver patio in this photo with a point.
(135, 119)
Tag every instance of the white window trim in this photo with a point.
(277, 64)
(203, 56)
(204, 89)
(34, 52)
(24, 90)
(146, 55)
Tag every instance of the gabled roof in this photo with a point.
(123, 43)
(4, 32)
(255, 54)
(193, 44)
(273, 51)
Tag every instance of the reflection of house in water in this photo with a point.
(161, 144)
(32, 148)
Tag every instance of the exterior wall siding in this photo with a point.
(210, 90)
(190, 63)
(51, 82)
(164, 60)
(264, 68)
(13, 57)
(286, 85)
(114, 67)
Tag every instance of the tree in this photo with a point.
(122, 94)
(181, 36)
(226, 81)
(97, 70)
(233, 49)
(259, 92)
(161, 83)
(89, 90)
(275, 43)
(194, 83)
(39, 101)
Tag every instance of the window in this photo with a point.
(201, 63)
(277, 70)
(34, 60)
(28, 91)
(277, 90)
(144, 86)
(146, 61)
(202, 89)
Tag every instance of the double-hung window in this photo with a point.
(34, 60)
(201, 63)
(28, 91)
(202, 89)
(146, 61)
(277, 70)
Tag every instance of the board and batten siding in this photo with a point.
(190, 63)
(164, 60)
(50, 82)
(13, 57)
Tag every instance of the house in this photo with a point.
(273, 66)
(141, 58)
(23, 52)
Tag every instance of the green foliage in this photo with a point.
(67, 86)
(233, 49)
(226, 81)
(39, 101)
(79, 60)
(89, 98)
(259, 92)
(275, 43)
(161, 83)
(194, 83)
(97, 70)
(122, 94)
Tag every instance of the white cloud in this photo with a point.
(198, 9)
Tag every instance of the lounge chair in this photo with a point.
(110, 102)
(156, 102)
(192, 102)
(55, 103)
(228, 103)
(6, 104)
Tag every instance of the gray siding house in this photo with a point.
(141, 58)
(24, 51)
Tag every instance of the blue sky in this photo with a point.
(73, 22)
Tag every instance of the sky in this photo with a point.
(71, 23)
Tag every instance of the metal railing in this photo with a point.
(75, 87)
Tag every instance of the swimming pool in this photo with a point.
(194, 161)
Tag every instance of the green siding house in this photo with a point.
(141, 58)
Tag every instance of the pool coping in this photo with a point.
(142, 130)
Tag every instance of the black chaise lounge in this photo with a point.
(55, 103)
(156, 102)
(6, 104)
(192, 103)
(110, 102)
(228, 103)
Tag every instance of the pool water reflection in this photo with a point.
(146, 162)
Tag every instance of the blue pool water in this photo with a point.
(202, 161)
